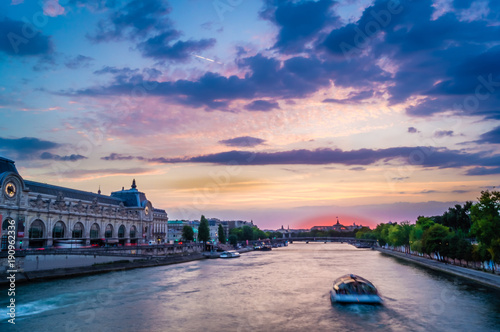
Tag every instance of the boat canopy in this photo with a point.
(349, 281)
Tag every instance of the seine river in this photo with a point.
(286, 289)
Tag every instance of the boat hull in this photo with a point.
(355, 298)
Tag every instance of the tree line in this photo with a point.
(467, 233)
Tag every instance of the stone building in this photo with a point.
(46, 214)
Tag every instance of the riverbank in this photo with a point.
(101, 268)
(484, 278)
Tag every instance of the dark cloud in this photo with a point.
(297, 77)
(438, 58)
(299, 22)
(483, 171)
(460, 191)
(51, 156)
(428, 192)
(26, 144)
(412, 130)
(117, 156)
(25, 147)
(80, 61)
(443, 133)
(162, 47)
(262, 105)
(492, 137)
(134, 20)
(359, 168)
(18, 38)
(244, 141)
(353, 97)
(418, 156)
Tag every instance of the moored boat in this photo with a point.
(351, 288)
(229, 254)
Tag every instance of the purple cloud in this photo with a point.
(50, 156)
(262, 105)
(244, 141)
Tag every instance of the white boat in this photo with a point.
(229, 254)
(351, 288)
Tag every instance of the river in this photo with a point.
(286, 289)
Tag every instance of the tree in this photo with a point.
(485, 217)
(434, 238)
(233, 239)
(222, 234)
(203, 230)
(187, 233)
(247, 233)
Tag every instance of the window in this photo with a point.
(36, 229)
(94, 231)
(133, 232)
(121, 231)
(109, 231)
(59, 230)
(78, 230)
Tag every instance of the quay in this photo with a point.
(487, 279)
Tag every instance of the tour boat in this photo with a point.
(229, 254)
(354, 289)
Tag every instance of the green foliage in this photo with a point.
(247, 233)
(434, 237)
(233, 239)
(203, 230)
(458, 217)
(222, 234)
(187, 233)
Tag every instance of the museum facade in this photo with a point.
(47, 215)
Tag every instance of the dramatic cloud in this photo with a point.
(446, 59)
(297, 77)
(78, 173)
(19, 38)
(161, 47)
(483, 171)
(492, 137)
(50, 156)
(80, 61)
(417, 156)
(136, 19)
(299, 22)
(25, 147)
(352, 97)
(26, 144)
(262, 105)
(244, 141)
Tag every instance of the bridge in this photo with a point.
(359, 243)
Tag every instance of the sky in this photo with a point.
(286, 113)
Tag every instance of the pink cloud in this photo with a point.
(16, 2)
(52, 8)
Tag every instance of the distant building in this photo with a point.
(45, 213)
(338, 227)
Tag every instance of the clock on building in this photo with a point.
(10, 190)
(146, 210)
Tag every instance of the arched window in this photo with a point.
(94, 231)
(37, 229)
(78, 230)
(59, 230)
(109, 231)
(5, 224)
(133, 232)
(121, 232)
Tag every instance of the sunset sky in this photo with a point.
(283, 112)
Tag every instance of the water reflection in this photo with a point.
(286, 289)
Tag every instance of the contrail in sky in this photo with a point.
(201, 57)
